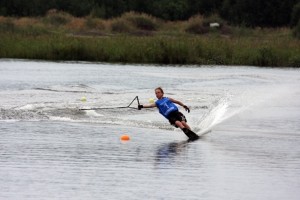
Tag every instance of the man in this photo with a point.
(170, 111)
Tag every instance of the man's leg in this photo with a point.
(185, 125)
(180, 124)
(191, 135)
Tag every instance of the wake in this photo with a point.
(214, 116)
(230, 105)
(221, 110)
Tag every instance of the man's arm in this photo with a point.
(152, 105)
(180, 103)
(177, 102)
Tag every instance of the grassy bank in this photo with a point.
(142, 39)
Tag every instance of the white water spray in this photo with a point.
(229, 106)
(213, 117)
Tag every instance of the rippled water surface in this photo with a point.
(51, 149)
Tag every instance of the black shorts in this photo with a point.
(176, 116)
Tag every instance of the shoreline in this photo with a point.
(61, 37)
(151, 50)
(136, 64)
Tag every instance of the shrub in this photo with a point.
(195, 25)
(120, 26)
(213, 19)
(76, 24)
(57, 18)
(197, 29)
(141, 21)
(7, 25)
(144, 23)
(226, 30)
(93, 23)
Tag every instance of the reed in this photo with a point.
(33, 39)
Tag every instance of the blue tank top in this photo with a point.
(165, 106)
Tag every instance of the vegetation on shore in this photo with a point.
(141, 38)
(267, 13)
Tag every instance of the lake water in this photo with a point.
(50, 149)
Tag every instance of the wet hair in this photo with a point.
(159, 88)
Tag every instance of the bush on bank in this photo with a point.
(121, 40)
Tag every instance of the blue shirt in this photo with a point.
(165, 106)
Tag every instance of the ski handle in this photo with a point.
(136, 98)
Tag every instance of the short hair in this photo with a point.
(159, 88)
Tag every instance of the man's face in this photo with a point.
(158, 94)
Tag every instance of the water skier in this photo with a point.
(170, 111)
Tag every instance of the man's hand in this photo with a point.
(140, 107)
(186, 108)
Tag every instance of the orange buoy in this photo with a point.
(125, 138)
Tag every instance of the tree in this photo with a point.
(75, 7)
(23, 8)
(295, 17)
(112, 8)
(270, 13)
(169, 9)
(204, 7)
(251, 13)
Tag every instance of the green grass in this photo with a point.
(258, 47)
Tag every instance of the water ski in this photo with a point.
(191, 135)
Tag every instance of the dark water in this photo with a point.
(49, 149)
